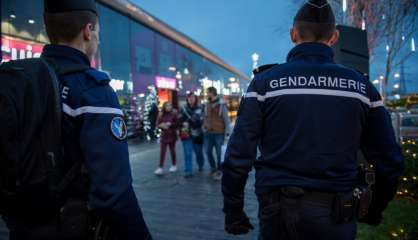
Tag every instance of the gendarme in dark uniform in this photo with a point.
(95, 133)
(308, 117)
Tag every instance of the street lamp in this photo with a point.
(396, 86)
(255, 57)
(397, 75)
(178, 75)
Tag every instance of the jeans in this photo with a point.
(189, 147)
(214, 140)
(198, 150)
(303, 221)
(188, 156)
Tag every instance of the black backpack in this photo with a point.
(32, 177)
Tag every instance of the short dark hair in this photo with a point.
(212, 90)
(67, 26)
(315, 32)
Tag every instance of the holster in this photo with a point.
(78, 222)
(363, 202)
(74, 220)
(351, 205)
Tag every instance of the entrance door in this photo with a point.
(167, 95)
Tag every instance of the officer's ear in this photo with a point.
(88, 31)
(294, 36)
(335, 37)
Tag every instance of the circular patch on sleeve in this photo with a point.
(118, 128)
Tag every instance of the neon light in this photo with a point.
(167, 83)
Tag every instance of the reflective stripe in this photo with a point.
(88, 109)
(309, 91)
(377, 104)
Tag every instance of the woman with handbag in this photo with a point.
(191, 133)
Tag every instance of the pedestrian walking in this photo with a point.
(309, 117)
(79, 130)
(216, 128)
(191, 116)
(168, 123)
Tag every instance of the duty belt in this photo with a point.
(320, 198)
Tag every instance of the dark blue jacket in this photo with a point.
(94, 132)
(309, 117)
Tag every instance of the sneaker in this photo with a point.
(173, 169)
(217, 176)
(159, 171)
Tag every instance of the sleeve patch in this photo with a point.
(118, 128)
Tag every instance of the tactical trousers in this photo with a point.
(33, 231)
(290, 219)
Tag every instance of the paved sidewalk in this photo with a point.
(176, 208)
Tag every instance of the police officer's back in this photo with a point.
(94, 133)
(309, 117)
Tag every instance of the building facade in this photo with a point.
(136, 49)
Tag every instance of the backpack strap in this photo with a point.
(58, 72)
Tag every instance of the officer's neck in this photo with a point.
(307, 41)
(77, 45)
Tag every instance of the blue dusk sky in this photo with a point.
(235, 29)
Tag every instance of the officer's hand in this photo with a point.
(237, 224)
(372, 219)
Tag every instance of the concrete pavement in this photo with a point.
(176, 208)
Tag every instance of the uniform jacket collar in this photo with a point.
(312, 52)
(68, 53)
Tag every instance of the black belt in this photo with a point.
(325, 199)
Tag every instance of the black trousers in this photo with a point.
(290, 219)
(19, 230)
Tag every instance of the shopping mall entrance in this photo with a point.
(168, 95)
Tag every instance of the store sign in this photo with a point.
(14, 49)
(117, 84)
(166, 83)
(206, 83)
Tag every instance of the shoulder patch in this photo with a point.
(100, 77)
(118, 128)
(264, 68)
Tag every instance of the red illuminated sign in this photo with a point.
(13, 49)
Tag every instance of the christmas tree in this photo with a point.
(150, 112)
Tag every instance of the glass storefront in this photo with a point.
(135, 56)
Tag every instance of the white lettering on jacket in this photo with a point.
(319, 82)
